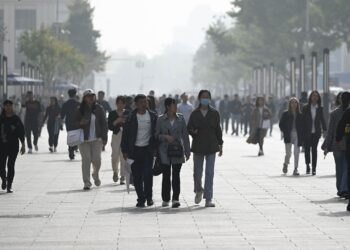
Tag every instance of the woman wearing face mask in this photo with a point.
(260, 118)
(291, 125)
(92, 121)
(204, 127)
(314, 123)
(171, 131)
(11, 132)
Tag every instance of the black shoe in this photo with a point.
(3, 185)
(308, 170)
(339, 194)
(344, 195)
(140, 204)
(9, 190)
(313, 171)
(348, 207)
(150, 203)
(86, 188)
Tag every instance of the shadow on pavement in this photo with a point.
(159, 209)
(330, 201)
(66, 192)
(336, 214)
(290, 176)
(52, 161)
(326, 176)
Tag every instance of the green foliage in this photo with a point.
(83, 37)
(274, 30)
(54, 58)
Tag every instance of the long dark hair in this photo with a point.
(319, 97)
(203, 91)
(167, 102)
(257, 101)
(345, 100)
(289, 105)
(54, 98)
(84, 107)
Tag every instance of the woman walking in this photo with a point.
(11, 131)
(314, 122)
(204, 127)
(116, 121)
(53, 112)
(92, 120)
(171, 131)
(338, 148)
(291, 125)
(260, 123)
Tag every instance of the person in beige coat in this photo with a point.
(260, 123)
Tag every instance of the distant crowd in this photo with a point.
(151, 136)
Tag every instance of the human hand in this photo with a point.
(125, 156)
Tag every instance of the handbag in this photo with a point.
(157, 167)
(175, 149)
(75, 137)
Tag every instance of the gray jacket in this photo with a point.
(179, 131)
(330, 143)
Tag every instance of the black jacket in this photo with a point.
(344, 125)
(286, 126)
(208, 139)
(112, 116)
(69, 112)
(11, 131)
(130, 134)
(320, 122)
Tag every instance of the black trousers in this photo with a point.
(8, 156)
(71, 151)
(142, 173)
(175, 182)
(31, 127)
(246, 125)
(311, 143)
(53, 139)
(224, 122)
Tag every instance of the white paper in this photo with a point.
(266, 124)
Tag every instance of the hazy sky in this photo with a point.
(147, 26)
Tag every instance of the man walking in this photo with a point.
(69, 113)
(31, 121)
(185, 108)
(138, 148)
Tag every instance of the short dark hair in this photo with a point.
(345, 99)
(120, 99)
(72, 93)
(29, 92)
(167, 102)
(8, 102)
(101, 92)
(202, 92)
(139, 97)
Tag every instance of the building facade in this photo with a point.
(17, 16)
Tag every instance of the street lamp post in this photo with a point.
(292, 77)
(326, 70)
(4, 73)
(314, 70)
(302, 74)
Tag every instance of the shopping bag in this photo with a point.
(75, 137)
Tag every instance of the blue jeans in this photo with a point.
(198, 161)
(341, 169)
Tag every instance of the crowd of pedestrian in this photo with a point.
(149, 131)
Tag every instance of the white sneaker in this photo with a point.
(209, 203)
(165, 204)
(36, 148)
(199, 197)
(30, 151)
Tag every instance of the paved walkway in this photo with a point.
(257, 207)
